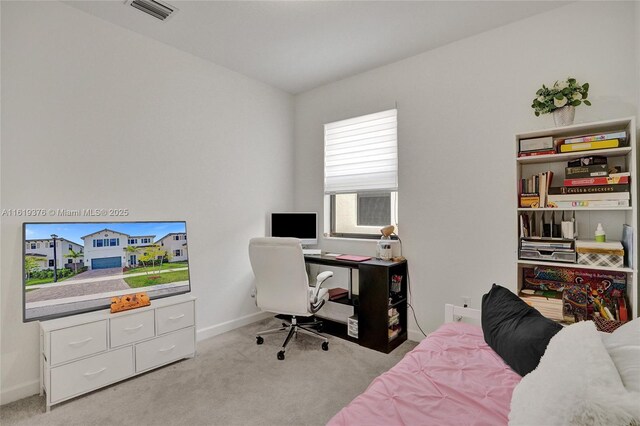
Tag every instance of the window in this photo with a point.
(33, 246)
(114, 242)
(51, 262)
(50, 244)
(176, 237)
(361, 174)
(133, 241)
(177, 252)
(70, 247)
(145, 240)
(98, 243)
(69, 260)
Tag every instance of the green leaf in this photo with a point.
(571, 80)
(585, 86)
(559, 96)
(539, 92)
(537, 114)
(587, 103)
(575, 103)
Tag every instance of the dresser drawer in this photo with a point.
(170, 347)
(131, 328)
(90, 373)
(174, 317)
(75, 342)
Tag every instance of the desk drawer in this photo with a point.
(132, 328)
(170, 347)
(75, 342)
(174, 317)
(90, 373)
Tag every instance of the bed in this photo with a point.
(453, 377)
(452, 374)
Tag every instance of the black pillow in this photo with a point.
(515, 330)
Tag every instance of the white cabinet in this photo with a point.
(85, 352)
(587, 218)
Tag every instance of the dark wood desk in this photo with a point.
(373, 302)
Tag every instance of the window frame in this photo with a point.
(374, 235)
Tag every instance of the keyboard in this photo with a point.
(312, 251)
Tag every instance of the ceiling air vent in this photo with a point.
(157, 9)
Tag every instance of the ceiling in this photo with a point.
(300, 45)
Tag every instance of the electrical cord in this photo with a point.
(409, 290)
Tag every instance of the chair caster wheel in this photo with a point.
(284, 324)
(259, 340)
(325, 346)
(281, 355)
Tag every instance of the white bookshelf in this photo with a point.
(587, 218)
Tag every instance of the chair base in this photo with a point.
(292, 327)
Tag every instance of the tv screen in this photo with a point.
(297, 225)
(70, 268)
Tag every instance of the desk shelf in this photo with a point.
(372, 303)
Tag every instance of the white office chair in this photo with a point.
(282, 286)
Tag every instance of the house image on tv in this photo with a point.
(175, 244)
(42, 251)
(106, 249)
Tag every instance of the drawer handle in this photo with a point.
(80, 342)
(176, 317)
(133, 328)
(93, 373)
(167, 349)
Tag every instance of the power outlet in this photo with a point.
(466, 301)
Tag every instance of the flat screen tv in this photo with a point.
(69, 268)
(302, 225)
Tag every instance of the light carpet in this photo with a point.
(231, 381)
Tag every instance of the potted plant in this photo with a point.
(561, 100)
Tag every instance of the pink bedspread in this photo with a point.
(451, 378)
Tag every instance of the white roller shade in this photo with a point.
(361, 154)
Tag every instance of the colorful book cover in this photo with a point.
(591, 181)
(586, 146)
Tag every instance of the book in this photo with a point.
(337, 293)
(536, 144)
(353, 257)
(603, 180)
(590, 197)
(598, 137)
(578, 204)
(534, 153)
(587, 146)
(595, 170)
(627, 244)
(589, 160)
(589, 189)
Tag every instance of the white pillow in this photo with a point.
(576, 383)
(623, 346)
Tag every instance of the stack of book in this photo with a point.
(590, 182)
(533, 190)
(536, 146)
(394, 323)
(593, 141)
(547, 302)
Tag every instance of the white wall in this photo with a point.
(84, 105)
(459, 107)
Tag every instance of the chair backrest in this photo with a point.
(281, 276)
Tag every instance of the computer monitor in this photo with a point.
(303, 226)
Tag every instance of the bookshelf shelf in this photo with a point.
(573, 266)
(555, 209)
(546, 221)
(566, 156)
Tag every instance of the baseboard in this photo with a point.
(414, 335)
(18, 392)
(214, 330)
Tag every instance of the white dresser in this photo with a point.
(85, 352)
